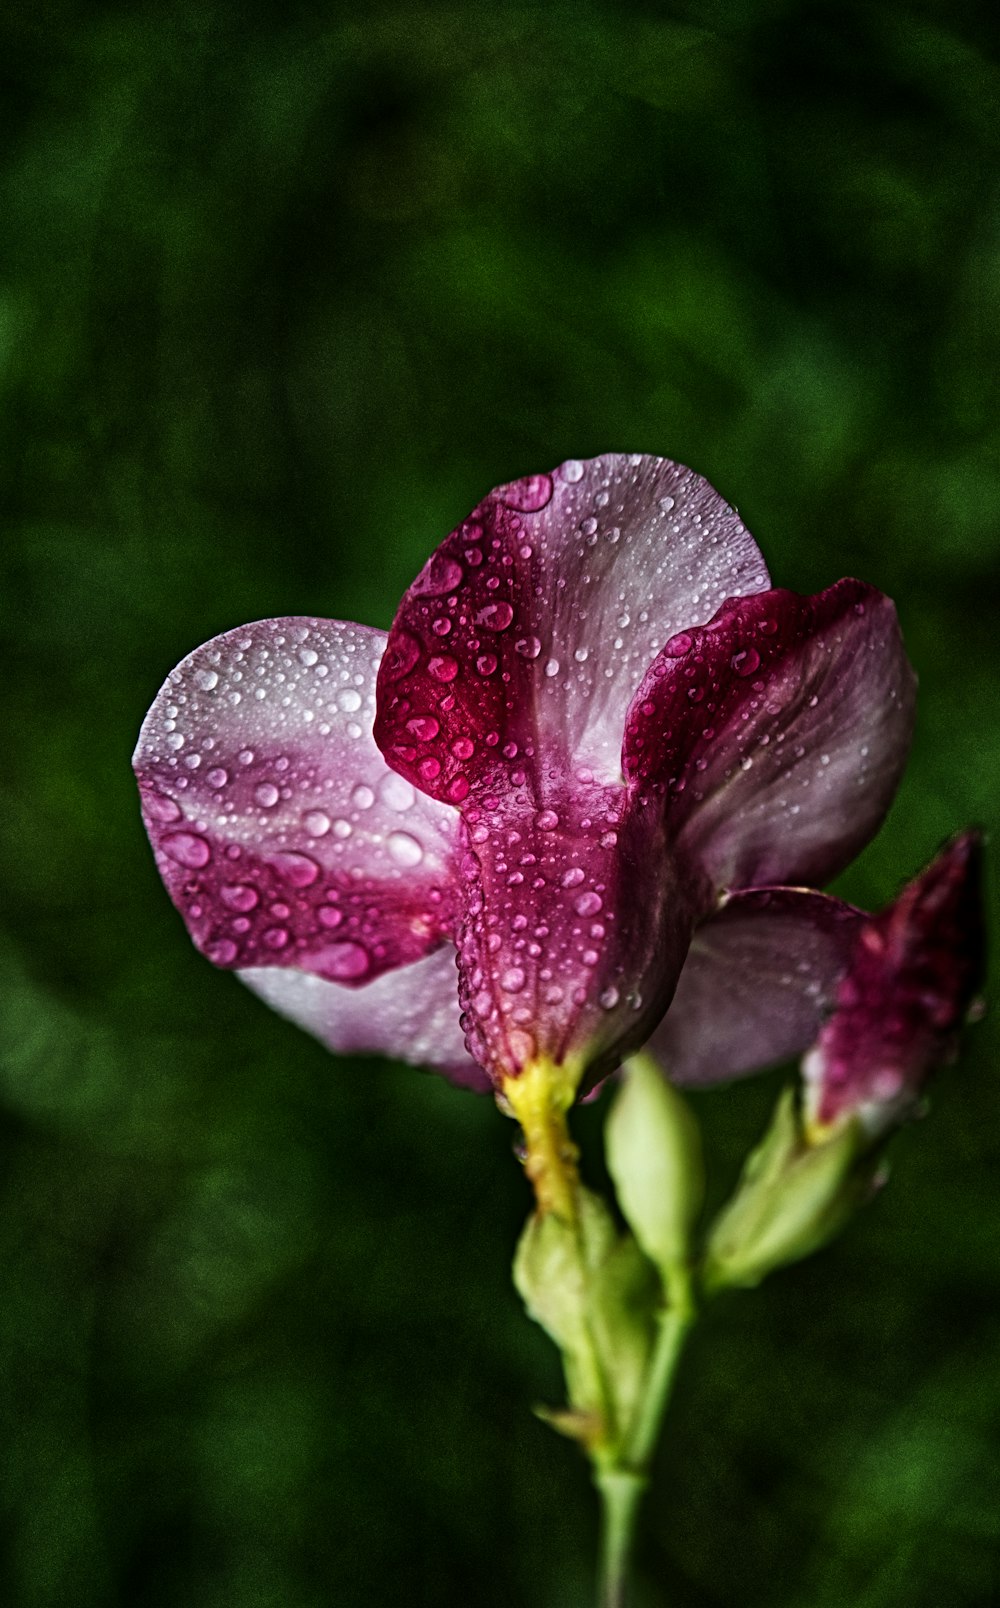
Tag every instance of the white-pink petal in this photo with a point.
(278, 828)
(410, 1014)
(630, 550)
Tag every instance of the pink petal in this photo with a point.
(561, 956)
(410, 1014)
(521, 642)
(759, 978)
(282, 836)
(913, 970)
(778, 733)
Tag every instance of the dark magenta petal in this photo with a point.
(282, 836)
(410, 1014)
(521, 642)
(758, 981)
(574, 931)
(913, 971)
(776, 734)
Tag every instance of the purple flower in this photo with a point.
(594, 733)
(911, 974)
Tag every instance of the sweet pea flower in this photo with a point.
(593, 732)
(911, 974)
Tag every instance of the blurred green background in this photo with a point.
(284, 290)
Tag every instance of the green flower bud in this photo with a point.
(653, 1148)
(793, 1197)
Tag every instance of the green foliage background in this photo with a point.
(284, 290)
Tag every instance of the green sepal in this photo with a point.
(794, 1196)
(596, 1296)
(654, 1154)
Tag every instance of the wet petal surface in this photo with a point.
(777, 734)
(521, 642)
(280, 833)
(561, 956)
(759, 978)
(410, 1014)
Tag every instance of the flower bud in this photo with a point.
(907, 989)
(653, 1148)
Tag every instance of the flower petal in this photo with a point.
(282, 836)
(778, 733)
(759, 978)
(410, 1014)
(525, 635)
(560, 958)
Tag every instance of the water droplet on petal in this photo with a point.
(206, 679)
(589, 904)
(527, 496)
(528, 647)
(329, 917)
(430, 769)
(667, 504)
(441, 626)
(404, 848)
(275, 937)
(217, 777)
(441, 575)
(349, 700)
(222, 953)
(573, 877)
(343, 961)
(362, 797)
(342, 828)
(442, 667)
(609, 999)
(266, 794)
(486, 664)
(423, 727)
(162, 808)
(678, 645)
(239, 896)
(458, 789)
(512, 980)
(402, 654)
(746, 662)
(546, 820)
(552, 668)
(572, 471)
(495, 616)
(463, 748)
(298, 869)
(187, 849)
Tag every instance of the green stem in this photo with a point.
(621, 1493)
(676, 1321)
(623, 1482)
